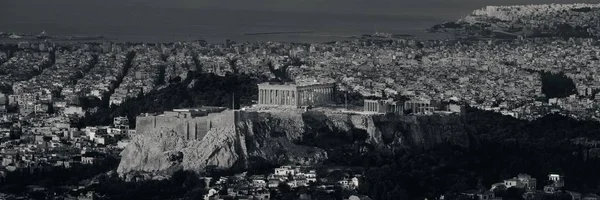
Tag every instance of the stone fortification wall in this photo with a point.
(190, 128)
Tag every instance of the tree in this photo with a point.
(557, 85)
(160, 79)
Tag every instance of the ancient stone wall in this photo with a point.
(191, 128)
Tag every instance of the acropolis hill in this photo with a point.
(244, 139)
(292, 123)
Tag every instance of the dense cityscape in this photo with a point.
(69, 109)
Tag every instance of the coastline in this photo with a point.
(275, 36)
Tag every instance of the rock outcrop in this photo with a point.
(257, 138)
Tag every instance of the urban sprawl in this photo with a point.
(43, 84)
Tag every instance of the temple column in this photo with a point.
(287, 97)
(262, 96)
(311, 94)
(271, 97)
(260, 92)
(325, 94)
(292, 97)
(281, 97)
(299, 97)
(305, 97)
(302, 96)
(318, 96)
(295, 97)
(299, 103)
(278, 97)
(332, 94)
(325, 99)
(268, 96)
(275, 99)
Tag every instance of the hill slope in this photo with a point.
(275, 138)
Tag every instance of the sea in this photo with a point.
(237, 20)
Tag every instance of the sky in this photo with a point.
(353, 6)
(455, 8)
(178, 18)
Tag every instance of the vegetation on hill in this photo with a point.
(182, 185)
(52, 178)
(584, 9)
(502, 148)
(198, 89)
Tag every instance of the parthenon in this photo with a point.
(298, 95)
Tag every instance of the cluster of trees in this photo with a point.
(557, 85)
(198, 89)
(53, 178)
(568, 31)
(584, 9)
(501, 147)
(351, 98)
(182, 185)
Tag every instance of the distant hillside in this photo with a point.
(544, 20)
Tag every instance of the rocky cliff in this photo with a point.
(256, 138)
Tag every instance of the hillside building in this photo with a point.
(557, 183)
(191, 124)
(383, 106)
(522, 181)
(419, 106)
(296, 95)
